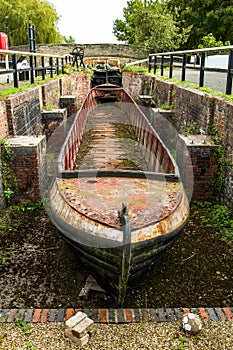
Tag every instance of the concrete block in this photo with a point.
(79, 328)
(83, 327)
(76, 319)
(80, 341)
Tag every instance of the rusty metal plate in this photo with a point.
(100, 199)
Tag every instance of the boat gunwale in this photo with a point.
(108, 87)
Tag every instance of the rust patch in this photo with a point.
(99, 199)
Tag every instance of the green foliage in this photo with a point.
(182, 341)
(166, 107)
(11, 91)
(37, 205)
(23, 325)
(3, 258)
(15, 15)
(149, 26)
(209, 41)
(216, 216)
(2, 226)
(212, 16)
(192, 129)
(8, 178)
(135, 69)
(49, 107)
(223, 165)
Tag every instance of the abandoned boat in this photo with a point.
(118, 197)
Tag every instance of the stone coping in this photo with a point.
(120, 315)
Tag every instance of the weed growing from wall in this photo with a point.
(9, 181)
(223, 163)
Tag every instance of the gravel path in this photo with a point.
(166, 336)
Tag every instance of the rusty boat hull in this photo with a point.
(120, 220)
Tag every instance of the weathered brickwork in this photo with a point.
(24, 112)
(132, 83)
(52, 120)
(76, 85)
(68, 102)
(193, 106)
(51, 93)
(228, 189)
(3, 120)
(197, 108)
(28, 165)
(213, 314)
(223, 120)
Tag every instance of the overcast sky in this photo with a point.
(89, 21)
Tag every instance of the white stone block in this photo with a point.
(83, 327)
(76, 319)
(80, 341)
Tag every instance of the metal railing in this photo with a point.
(49, 65)
(181, 59)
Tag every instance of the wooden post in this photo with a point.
(126, 254)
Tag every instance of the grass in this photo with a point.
(135, 69)
(206, 89)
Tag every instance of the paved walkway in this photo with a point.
(115, 315)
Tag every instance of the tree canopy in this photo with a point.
(149, 27)
(154, 25)
(15, 15)
(205, 17)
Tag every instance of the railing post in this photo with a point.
(35, 65)
(51, 66)
(62, 66)
(57, 65)
(229, 73)
(161, 66)
(170, 66)
(31, 70)
(202, 70)
(155, 64)
(149, 64)
(15, 73)
(43, 68)
(183, 67)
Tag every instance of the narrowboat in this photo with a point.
(117, 197)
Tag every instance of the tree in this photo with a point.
(204, 16)
(15, 15)
(149, 27)
(209, 41)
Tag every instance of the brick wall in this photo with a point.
(223, 120)
(192, 106)
(3, 120)
(132, 83)
(24, 112)
(197, 108)
(51, 93)
(22, 115)
(28, 165)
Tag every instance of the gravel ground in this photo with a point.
(166, 336)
